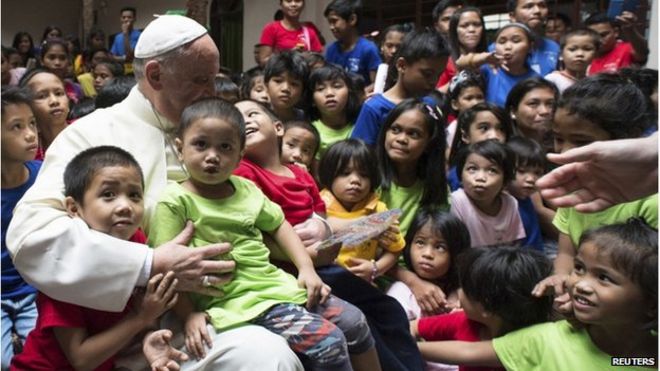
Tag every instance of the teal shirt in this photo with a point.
(238, 219)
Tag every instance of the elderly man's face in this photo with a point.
(191, 77)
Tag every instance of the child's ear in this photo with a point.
(352, 20)
(401, 65)
(279, 128)
(152, 74)
(178, 144)
(464, 137)
(454, 104)
(71, 206)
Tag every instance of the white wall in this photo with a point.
(256, 13)
(653, 37)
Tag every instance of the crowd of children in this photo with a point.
(478, 267)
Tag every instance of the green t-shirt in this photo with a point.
(574, 224)
(553, 346)
(239, 219)
(405, 198)
(330, 136)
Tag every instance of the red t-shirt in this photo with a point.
(298, 196)
(43, 352)
(279, 38)
(619, 57)
(452, 326)
(447, 74)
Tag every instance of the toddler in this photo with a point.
(578, 49)
(210, 144)
(300, 143)
(349, 177)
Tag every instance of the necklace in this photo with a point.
(170, 142)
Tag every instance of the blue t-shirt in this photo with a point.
(362, 59)
(499, 83)
(118, 45)
(453, 180)
(372, 116)
(543, 58)
(531, 224)
(13, 285)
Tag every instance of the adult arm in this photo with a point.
(127, 29)
(602, 174)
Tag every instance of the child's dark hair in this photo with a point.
(305, 125)
(290, 61)
(32, 73)
(47, 30)
(646, 79)
(454, 43)
(114, 91)
(12, 95)
(493, 151)
(264, 107)
(432, 162)
(597, 18)
(338, 157)
(312, 59)
(8, 51)
(463, 80)
(562, 17)
(116, 68)
(224, 85)
(51, 43)
(442, 5)
(17, 40)
(344, 9)
(212, 107)
(248, 81)
(526, 152)
(452, 230)
(359, 84)
(328, 73)
(528, 32)
(632, 249)
(417, 45)
(94, 32)
(80, 172)
(403, 28)
(467, 118)
(83, 108)
(523, 87)
(501, 279)
(582, 31)
(611, 102)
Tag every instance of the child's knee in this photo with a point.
(357, 332)
(331, 350)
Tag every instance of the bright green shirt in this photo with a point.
(330, 136)
(405, 198)
(573, 223)
(553, 346)
(238, 219)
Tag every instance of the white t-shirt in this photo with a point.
(486, 230)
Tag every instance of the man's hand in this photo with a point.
(191, 265)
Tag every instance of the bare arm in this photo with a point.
(88, 352)
(463, 353)
(546, 215)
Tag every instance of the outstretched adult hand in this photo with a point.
(191, 266)
(602, 174)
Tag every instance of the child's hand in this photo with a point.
(556, 285)
(362, 268)
(317, 291)
(160, 295)
(390, 236)
(430, 297)
(197, 335)
(159, 353)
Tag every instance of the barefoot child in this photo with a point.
(104, 190)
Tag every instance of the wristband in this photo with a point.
(374, 270)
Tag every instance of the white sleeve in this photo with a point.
(61, 256)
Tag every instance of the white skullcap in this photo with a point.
(166, 33)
